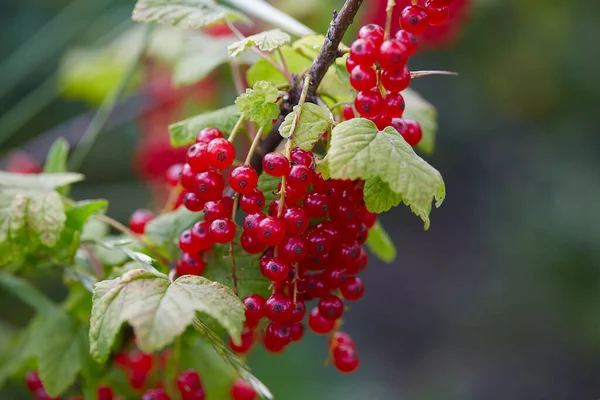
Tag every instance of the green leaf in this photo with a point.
(359, 150)
(27, 293)
(313, 122)
(380, 244)
(37, 182)
(201, 55)
(379, 197)
(184, 14)
(56, 160)
(184, 132)
(309, 46)
(17, 356)
(165, 229)
(425, 114)
(265, 41)
(268, 185)
(262, 70)
(158, 311)
(78, 214)
(61, 348)
(258, 103)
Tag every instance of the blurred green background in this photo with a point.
(500, 299)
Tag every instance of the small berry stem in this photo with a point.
(174, 194)
(236, 128)
(236, 200)
(254, 145)
(388, 21)
(295, 283)
(420, 74)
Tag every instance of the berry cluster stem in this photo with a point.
(388, 21)
(236, 128)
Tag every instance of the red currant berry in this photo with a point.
(318, 324)
(141, 361)
(221, 153)
(382, 121)
(242, 391)
(299, 177)
(243, 179)
(279, 308)
(334, 278)
(297, 331)
(255, 310)
(251, 244)
(201, 236)
(173, 174)
(331, 230)
(346, 255)
(368, 218)
(441, 3)
(393, 55)
(192, 202)
(190, 264)
(413, 133)
(394, 105)
(278, 334)
(348, 112)
(343, 213)
(188, 382)
(340, 339)
(350, 64)
(315, 262)
(271, 231)
(209, 185)
(408, 40)
(400, 125)
(246, 342)
(292, 249)
(275, 164)
(331, 307)
(353, 288)
(317, 204)
(197, 157)
(222, 230)
(368, 104)
(156, 394)
(414, 19)
(41, 394)
(301, 157)
(251, 223)
(187, 244)
(322, 185)
(137, 379)
(252, 202)
(296, 220)
(275, 269)
(364, 52)
(218, 209)
(363, 232)
(345, 359)
(298, 313)
(316, 287)
(363, 78)
(395, 81)
(32, 379)
(360, 265)
(207, 135)
(293, 194)
(319, 242)
(372, 32)
(139, 219)
(437, 15)
(188, 178)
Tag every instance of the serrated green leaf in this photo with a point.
(18, 354)
(425, 114)
(165, 229)
(359, 150)
(184, 14)
(201, 55)
(27, 293)
(265, 41)
(268, 185)
(380, 244)
(37, 182)
(323, 167)
(313, 122)
(56, 160)
(258, 103)
(379, 197)
(61, 348)
(78, 213)
(184, 132)
(158, 311)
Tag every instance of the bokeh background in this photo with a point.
(500, 299)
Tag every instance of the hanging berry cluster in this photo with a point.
(378, 71)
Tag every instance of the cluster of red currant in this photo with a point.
(378, 71)
(34, 384)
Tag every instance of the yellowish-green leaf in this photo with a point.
(313, 122)
(380, 244)
(258, 103)
(379, 197)
(184, 132)
(265, 41)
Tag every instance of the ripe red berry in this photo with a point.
(201, 236)
(294, 194)
(32, 379)
(254, 304)
(363, 232)
(292, 249)
(368, 218)
(335, 277)
(372, 32)
(192, 202)
(242, 391)
(279, 335)
(206, 135)
(275, 269)
(437, 15)
(251, 223)
(275, 164)
(301, 157)
(218, 209)
(271, 231)
(345, 254)
(139, 219)
(395, 81)
(400, 125)
(221, 153)
(141, 361)
(350, 63)
(243, 179)
(296, 220)
(156, 394)
(441, 3)
(408, 40)
(393, 55)
(252, 202)
(348, 112)
(209, 185)
(331, 230)
(382, 121)
(394, 105)
(343, 213)
(222, 230)
(299, 177)
(353, 288)
(364, 52)
(298, 313)
(345, 359)
(190, 264)
(297, 331)
(340, 339)
(414, 19)
(278, 308)
(318, 324)
(316, 287)
(197, 157)
(246, 342)
(331, 307)
(363, 78)
(41, 394)
(173, 174)
(413, 133)
(318, 241)
(137, 379)
(188, 178)
(251, 244)
(368, 104)
(188, 382)
(317, 204)
(187, 244)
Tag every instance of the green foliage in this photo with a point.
(258, 103)
(158, 310)
(36, 182)
(424, 113)
(56, 160)
(380, 244)
(312, 123)
(17, 356)
(184, 14)
(27, 293)
(379, 197)
(268, 185)
(165, 229)
(262, 70)
(184, 133)
(265, 41)
(200, 56)
(359, 150)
